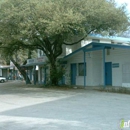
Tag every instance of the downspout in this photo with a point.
(104, 58)
(84, 68)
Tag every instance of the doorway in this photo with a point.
(108, 73)
(73, 73)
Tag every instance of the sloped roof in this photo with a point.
(113, 38)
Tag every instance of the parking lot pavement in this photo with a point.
(28, 108)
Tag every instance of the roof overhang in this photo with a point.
(97, 46)
(33, 64)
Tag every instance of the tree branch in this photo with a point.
(79, 39)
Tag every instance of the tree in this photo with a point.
(48, 24)
(18, 56)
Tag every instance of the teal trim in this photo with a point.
(111, 45)
(108, 73)
(93, 49)
(104, 67)
(84, 68)
(45, 76)
(27, 76)
(73, 73)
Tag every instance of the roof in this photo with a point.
(97, 46)
(4, 67)
(33, 64)
(113, 38)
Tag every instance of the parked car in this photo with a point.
(2, 79)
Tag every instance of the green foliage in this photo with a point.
(59, 72)
(44, 18)
(56, 73)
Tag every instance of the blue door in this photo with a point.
(73, 74)
(108, 73)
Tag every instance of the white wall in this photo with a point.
(78, 58)
(116, 55)
(120, 56)
(85, 42)
(71, 48)
(97, 71)
(105, 41)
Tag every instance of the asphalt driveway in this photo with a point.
(25, 107)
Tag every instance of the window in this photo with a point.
(81, 69)
(95, 40)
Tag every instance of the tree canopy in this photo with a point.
(48, 18)
(48, 24)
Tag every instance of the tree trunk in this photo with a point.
(52, 51)
(22, 71)
(53, 73)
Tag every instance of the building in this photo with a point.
(95, 61)
(36, 70)
(99, 62)
(9, 72)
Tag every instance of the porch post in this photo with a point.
(34, 75)
(104, 75)
(27, 76)
(45, 76)
(84, 68)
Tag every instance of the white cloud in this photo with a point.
(120, 2)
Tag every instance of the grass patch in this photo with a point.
(62, 87)
(122, 90)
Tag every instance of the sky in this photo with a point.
(124, 1)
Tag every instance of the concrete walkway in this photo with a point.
(28, 108)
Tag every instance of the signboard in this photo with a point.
(30, 61)
(36, 60)
(41, 59)
(115, 65)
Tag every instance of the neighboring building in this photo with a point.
(8, 72)
(36, 70)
